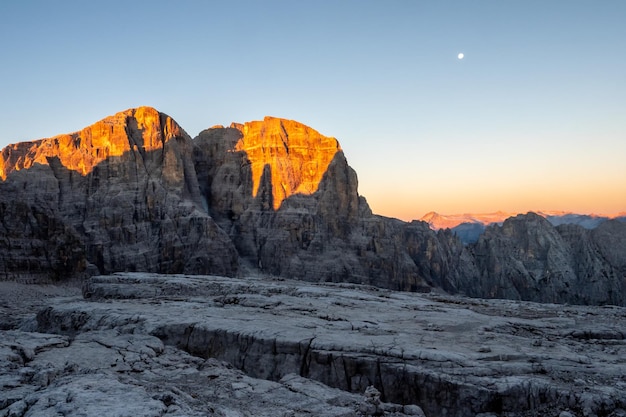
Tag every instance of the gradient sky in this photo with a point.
(533, 118)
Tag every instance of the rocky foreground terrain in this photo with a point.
(141, 344)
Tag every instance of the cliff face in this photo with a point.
(36, 245)
(296, 156)
(140, 130)
(290, 203)
(126, 186)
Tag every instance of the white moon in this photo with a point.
(461, 55)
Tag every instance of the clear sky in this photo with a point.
(533, 117)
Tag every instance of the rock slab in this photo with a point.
(446, 355)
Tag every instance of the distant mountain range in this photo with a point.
(469, 226)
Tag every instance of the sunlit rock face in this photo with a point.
(297, 156)
(140, 130)
(289, 200)
(277, 215)
(127, 186)
(133, 192)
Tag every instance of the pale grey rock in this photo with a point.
(78, 373)
(117, 374)
(351, 337)
(90, 395)
(18, 302)
(413, 410)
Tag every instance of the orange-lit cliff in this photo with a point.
(142, 130)
(297, 156)
(121, 193)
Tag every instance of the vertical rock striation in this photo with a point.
(127, 187)
(133, 192)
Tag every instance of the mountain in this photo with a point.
(448, 221)
(527, 258)
(120, 195)
(134, 192)
(468, 227)
(289, 201)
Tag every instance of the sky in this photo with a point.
(532, 118)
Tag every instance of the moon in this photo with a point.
(460, 55)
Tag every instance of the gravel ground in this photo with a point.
(20, 302)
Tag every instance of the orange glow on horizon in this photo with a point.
(601, 202)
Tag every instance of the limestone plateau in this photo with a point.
(135, 193)
(196, 346)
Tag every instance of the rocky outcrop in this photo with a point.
(125, 188)
(444, 355)
(610, 238)
(527, 258)
(36, 245)
(48, 375)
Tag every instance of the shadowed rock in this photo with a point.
(126, 190)
(529, 259)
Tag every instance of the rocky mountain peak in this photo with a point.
(294, 156)
(449, 221)
(141, 129)
(121, 194)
